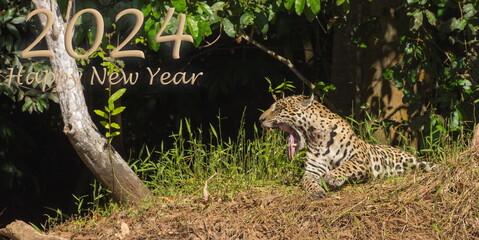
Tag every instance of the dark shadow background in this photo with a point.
(39, 168)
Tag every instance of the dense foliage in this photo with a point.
(438, 70)
(14, 34)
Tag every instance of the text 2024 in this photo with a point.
(116, 53)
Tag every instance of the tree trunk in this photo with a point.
(107, 166)
(384, 100)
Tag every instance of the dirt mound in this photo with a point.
(442, 204)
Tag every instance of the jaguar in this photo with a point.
(335, 154)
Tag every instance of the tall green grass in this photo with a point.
(182, 164)
(437, 140)
(197, 154)
(194, 155)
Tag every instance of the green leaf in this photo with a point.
(299, 6)
(213, 131)
(27, 105)
(473, 30)
(20, 96)
(192, 27)
(340, 2)
(9, 43)
(53, 97)
(417, 22)
(41, 105)
(205, 28)
(114, 134)
(117, 95)
(151, 28)
(179, 5)
(105, 124)
(388, 74)
(310, 16)
(455, 120)
(469, 10)
(228, 27)
(206, 9)
(440, 12)
(314, 5)
(115, 125)
(218, 6)
(18, 20)
(13, 30)
(288, 4)
(460, 24)
(111, 105)
(117, 111)
(35, 93)
(107, 109)
(149, 24)
(146, 10)
(261, 22)
(465, 84)
(101, 113)
(431, 18)
(8, 14)
(247, 19)
(440, 3)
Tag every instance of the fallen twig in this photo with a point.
(206, 194)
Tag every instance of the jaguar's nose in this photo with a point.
(261, 118)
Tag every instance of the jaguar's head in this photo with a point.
(289, 115)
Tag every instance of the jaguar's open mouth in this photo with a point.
(295, 140)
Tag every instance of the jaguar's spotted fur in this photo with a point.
(335, 153)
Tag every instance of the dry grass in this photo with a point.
(443, 204)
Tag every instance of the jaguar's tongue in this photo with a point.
(291, 146)
(292, 141)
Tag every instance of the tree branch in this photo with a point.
(70, 10)
(282, 59)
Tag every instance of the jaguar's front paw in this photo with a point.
(316, 193)
(334, 181)
(312, 186)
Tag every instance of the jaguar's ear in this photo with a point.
(308, 102)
